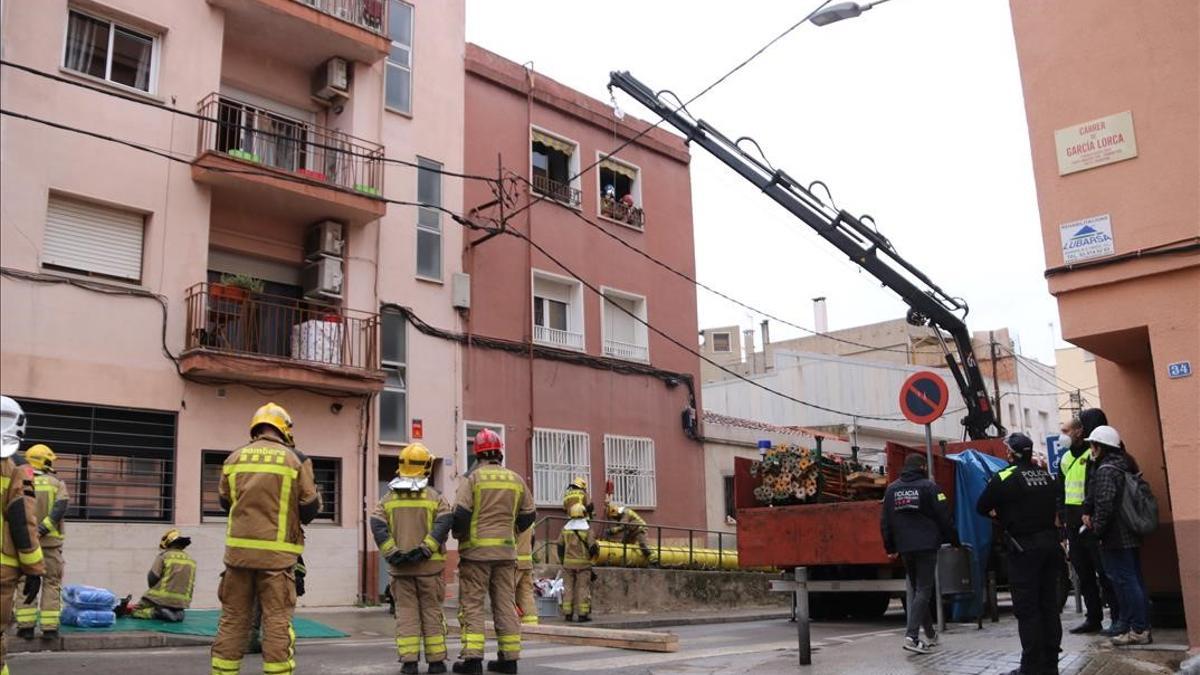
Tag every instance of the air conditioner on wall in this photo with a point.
(324, 238)
(331, 80)
(322, 278)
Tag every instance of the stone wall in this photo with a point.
(633, 590)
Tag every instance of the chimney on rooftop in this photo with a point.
(748, 341)
(765, 330)
(820, 316)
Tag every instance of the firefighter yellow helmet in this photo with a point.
(579, 482)
(41, 457)
(613, 509)
(415, 461)
(577, 511)
(277, 418)
(169, 537)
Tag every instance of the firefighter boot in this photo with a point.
(436, 667)
(409, 668)
(25, 633)
(584, 618)
(502, 666)
(469, 666)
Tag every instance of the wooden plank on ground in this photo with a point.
(639, 640)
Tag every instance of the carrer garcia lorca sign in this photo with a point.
(1095, 143)
(1086, 239)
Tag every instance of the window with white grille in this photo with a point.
(558, 457)
(629, 464)
(85, 237)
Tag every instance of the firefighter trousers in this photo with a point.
(419, 617)
(50, 596)
(577, 592)
(8, 588)
(526, 603)
(240, 590)
(496, 579)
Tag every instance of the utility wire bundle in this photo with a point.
(790, 474)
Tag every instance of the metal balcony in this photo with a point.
(559, 192)
(625, 213)
(309, 32)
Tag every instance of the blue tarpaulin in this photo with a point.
(972, 471)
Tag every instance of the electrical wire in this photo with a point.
(342, 150)
(1025, 361)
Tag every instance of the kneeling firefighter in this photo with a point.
(172, 579)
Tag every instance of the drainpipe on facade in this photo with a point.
(529, 274)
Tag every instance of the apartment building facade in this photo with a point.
(154, 296)
(1112, 99)
(585, 387)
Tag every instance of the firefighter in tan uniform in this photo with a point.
(576, 548)
(411, 525)
(526, 604)
(576, 493)
(52, 501)
(630, 529)
(268, 489)
(172, 579)
(491, 506)
(20, 552)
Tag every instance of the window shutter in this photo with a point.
(93, 238)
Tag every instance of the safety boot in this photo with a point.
(437, 667)
(49, 633)
(469, 666)
(584, 618)
(502, 666)
(409, 668)
(25, 633)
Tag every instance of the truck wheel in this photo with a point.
(870, 605)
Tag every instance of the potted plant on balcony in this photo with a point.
(235, 287)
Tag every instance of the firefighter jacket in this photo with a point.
(172, 579)
(631, 525)
(52, 502)
(575, 495)
(269, 491)
(492, 504)
(525, 549)
(406, 520)
(19, 547)
(576, 548)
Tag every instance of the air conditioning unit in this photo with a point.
(460, 291)
(322, 278)
(331, 80)
(324, 238)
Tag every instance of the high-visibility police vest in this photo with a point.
(1074, 470)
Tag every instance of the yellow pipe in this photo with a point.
(616, 554)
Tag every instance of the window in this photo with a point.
(555, 166)
(472, 428)
(118, 463)
(326, 474)
(727, 487)
(429, 221)
(393, 401)
(103, 49)
(558, 457)
(93, 239)
(557, 311)
(720, 342)
(620, 193)
(398, 82)
(1043, 424)
(629, 464)
(624, 336)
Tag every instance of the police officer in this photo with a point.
(267, 488)
(20, 551)
(51, 503)
(491, 506)
(1022, 497)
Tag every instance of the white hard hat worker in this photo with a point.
(273, 416)
(416, 465)
(1106, 436)
(12, 426)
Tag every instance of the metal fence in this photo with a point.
(229, 319)
(695, 548)
(369, 14)
(309, 152)
(618, 210)
(560, 192)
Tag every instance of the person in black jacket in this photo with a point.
(915, 522)
(1022, 497)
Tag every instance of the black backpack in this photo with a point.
(1139, 508)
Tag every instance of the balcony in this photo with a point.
(626, 350)
(553, 337)
(308, 172)
(620, 211)
(559, 192)
(309, 32)
(241, 336)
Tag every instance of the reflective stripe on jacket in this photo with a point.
(176, 572)
(49, 490)
(576, 547)
(409, 519)
(525, 549)
(265, 482)
(494, 496)
(19, 546)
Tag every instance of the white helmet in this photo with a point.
(12, 426)
(1105, 435)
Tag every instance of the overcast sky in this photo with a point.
(912, 113)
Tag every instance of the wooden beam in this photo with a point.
(639, 640)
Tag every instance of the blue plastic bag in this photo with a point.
(87, 618)
(89, 597)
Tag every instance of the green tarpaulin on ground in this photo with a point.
(204, 622)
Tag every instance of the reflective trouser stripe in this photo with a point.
(472, 640)
(530, 619)
(567, 607)
(408, 645)
(49, 618)
(222, 666)
(509, 644)
(284, 667)
(435, 645)
(26, 617)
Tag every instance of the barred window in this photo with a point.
(118, 463)
(326, 472)
(629, 464)
(558, 456)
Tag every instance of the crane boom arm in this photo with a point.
(928, 304)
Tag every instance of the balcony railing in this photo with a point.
(307, 151)
(559, 192)
(626, 213)
(557, 338)
(367, 14)
(229, 319)
(625, 350)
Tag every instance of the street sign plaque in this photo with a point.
(923, 397)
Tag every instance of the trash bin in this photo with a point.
(954, 570)
(547, 607)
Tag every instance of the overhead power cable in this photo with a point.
(260, 132)
(1026, 361)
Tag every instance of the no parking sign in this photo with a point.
(923, 397)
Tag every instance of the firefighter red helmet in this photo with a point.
(488, 441)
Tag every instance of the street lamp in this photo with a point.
(842, 10)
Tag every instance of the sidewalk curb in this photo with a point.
(84, 643)
(705, 620)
